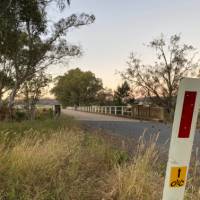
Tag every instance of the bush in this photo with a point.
(20, 115)
(44, 113)
(3, 112)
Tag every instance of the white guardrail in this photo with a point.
(136, 111)
(107, 110)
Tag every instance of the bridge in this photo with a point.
(119, 125)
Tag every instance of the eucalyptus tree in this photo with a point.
(77, 88)
(160, 81)
(29, 45)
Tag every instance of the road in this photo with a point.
(126, 127)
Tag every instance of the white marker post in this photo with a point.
(182, 138)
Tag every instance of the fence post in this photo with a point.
(138, 110)
(110, 110)
(122, 109)
(115, 110)
(149, 111)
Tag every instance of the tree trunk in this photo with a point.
(27, 102)
(33, 108)
(32, 112)
(11, 101)
(1, 102)
(1, 105)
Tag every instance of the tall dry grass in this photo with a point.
(193, 182)
(39, 168)
(69, 163)
(137, 179)
(64, 164)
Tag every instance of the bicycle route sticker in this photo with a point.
(178, 176)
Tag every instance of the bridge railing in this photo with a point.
(109, 110)
(135, 111)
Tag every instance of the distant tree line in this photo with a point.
(79, 88)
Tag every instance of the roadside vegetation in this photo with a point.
(57, 159)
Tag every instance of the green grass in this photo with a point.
(44, 125)
(12, 133)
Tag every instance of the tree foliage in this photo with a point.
(32, 91)
(5, 4)
(160, 81)
(25, 46)
(123, 95)
(77, 88)
(6, 83)
(104, 97)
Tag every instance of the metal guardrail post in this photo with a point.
(115, 110)
(122, 110)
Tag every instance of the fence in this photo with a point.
(136, 111)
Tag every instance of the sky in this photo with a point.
(126, 26)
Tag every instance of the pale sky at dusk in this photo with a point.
(124, 26)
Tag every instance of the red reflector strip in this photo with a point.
(187, 114)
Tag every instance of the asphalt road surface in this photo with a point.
(126, 127)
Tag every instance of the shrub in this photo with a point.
(20, 115)
(44, 113)
(3, 112)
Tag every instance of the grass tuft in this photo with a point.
(137, 179)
